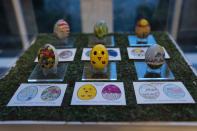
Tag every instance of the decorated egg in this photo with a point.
(99, 56)
(61, 29)
(47, 57)
(155, 56)
(142, 28)
(100, 29)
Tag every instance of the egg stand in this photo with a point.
(134, 40)
(56, 74)
(50, 71)
(108, 73)
(146, 73)
(108, 41)
(65, 43)
(142, 40)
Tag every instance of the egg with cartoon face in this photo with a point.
(86, 92)
(47, 57)
(142, 28)
(155, 56)
(99, 56)
(61, 29)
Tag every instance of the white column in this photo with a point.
(176, 18)
(94, 10)
(21, 23)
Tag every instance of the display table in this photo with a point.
(131, 115)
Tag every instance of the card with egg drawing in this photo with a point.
(98, 93)
(139, 52)
(64, 54)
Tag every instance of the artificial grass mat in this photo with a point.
(126, 74)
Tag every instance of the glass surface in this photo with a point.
(145, 73)
(109, 72)
(108, 41)
(61, 44)
(133, 41)
(47, 12)
(126, 13)
(38, 76)
(22, 19)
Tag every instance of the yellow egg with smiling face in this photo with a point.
(99, 56)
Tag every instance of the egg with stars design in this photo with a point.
(155, 56)
(99, 56)
(142, 28)
(47, 57)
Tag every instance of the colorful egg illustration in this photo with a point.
(142, 28)
(47, 57)
(61, 29)
(111, 92)
(99, 56)
(86, 92)
(148, 91)
(138, 52)
(100, 29)
(173, 91)
(65, 54)
(112, 53)
(27, 93)
(155, 56)
(51, 93)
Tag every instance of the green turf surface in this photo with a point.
(126, 73)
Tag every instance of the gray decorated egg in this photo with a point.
(155, 56)
(61, 29)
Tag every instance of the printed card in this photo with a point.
(64, 54)
(161, 92)
(38, 95)
(114, 54)
(139, 52)
(98, 93)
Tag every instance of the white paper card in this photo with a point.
(38, 95)
(114, 54)
(64, 54)
(98, 93)
(161, 92)
(139, 52)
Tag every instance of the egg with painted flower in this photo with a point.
(99, 56)
(155, 56)
(47, 57)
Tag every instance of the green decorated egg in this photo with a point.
(100, 29)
